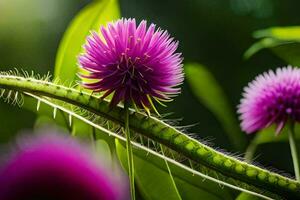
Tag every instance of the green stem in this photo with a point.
(294, 152)
(129, 152)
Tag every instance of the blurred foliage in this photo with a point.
(210, 94)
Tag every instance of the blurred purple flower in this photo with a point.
(272, 98)
(135, 63)
(50, 166)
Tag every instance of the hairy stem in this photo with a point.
(129, 152)
(162, 133)
(294, 152)
(149, 151)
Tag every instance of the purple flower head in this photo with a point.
(51, 166)
(272, 98)
(134, 63)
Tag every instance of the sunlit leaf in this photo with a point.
(289, 33)
(90, 18)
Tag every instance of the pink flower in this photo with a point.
(135, 63)
(272, 98)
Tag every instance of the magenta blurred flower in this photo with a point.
(272, 98)
(51, 166)
(135, 63)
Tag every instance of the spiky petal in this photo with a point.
(272, 98)
(135, 63)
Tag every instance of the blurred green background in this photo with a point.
(215, 33)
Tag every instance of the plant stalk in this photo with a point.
(294, 151)
(129, 152)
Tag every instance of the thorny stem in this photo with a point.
(294, 152)
(129, 152)
(160, 132)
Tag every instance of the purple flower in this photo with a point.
(134, 63)
(51, 166)
(272, 98)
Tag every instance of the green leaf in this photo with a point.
(90, 18)
(154, 180)
(245, 196)
(210, 94)
(283, 41)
